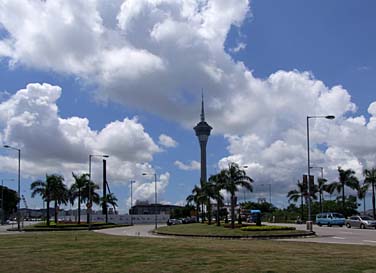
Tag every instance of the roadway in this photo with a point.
(337, 235)
(331, 235)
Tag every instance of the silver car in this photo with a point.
(360, 222)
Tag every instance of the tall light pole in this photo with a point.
(132, 181)
(2, 198)
(270, 191)
(19, 185)
(90, 203)
(309, 163)
(155, 198)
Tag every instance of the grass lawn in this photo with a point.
(83, 251)
(204, 229)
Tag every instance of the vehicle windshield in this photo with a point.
(338, 215)
(366, 218)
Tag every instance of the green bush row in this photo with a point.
(266, 228)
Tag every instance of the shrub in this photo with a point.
(266, 228)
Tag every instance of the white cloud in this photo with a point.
(29, 120)
(157, 56)
(167, 141)
(193, 165)
(239, 47)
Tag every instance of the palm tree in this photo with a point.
(109, 199)
(76, 190)
(217, 183)
(196, 197)
(86, 196)
(346, 178)
(208, 193)
(299, 193)
(361, 194)
(321, 188)
(233, 178)
(40, 187)
(370, 179)
(58, 192)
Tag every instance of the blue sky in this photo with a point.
(264, 66)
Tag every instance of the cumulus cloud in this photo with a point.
(29, 120)
(157, 56)
(193, 165)
(167, 141)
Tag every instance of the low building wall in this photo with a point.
(125, 218)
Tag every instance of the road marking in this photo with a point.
(339, 238)
(369, 241)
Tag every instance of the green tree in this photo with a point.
(10, 202)
(86, 195)
(233, 178)
(299, 193)
(76, 190)
(321, 188)
(370, 179)
(42, 188)
(58, 192)
(109, 199)
(197, 197)
(217, 183)
(346, 178)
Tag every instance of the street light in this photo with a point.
(132, 181)
(19, 184)
(309, 163)
(270, 191)
(2, 198)
(155, 197)
(90, 203)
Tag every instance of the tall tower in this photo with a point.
(202, 130)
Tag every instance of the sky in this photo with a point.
(124, 78)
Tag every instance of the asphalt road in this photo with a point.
(333, 235)
(3, 228)
(338, 235)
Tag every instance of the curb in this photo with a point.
(240, 237)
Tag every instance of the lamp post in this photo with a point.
(2, 198)
(19, 185)
(90, 203)
(155, 198)
(309, 163)
(270, 191)
(132, 181)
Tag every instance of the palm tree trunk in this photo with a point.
(48, 212)
(209, 212)
(364, 205)
(373, 200)
(79, 207)
(232, 211)
(202, 213)
(320, 201)
(343, 198)
(218, 222)
(198, 212)
(56, 212)
(301, 207)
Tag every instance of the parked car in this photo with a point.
(330, 219)
(360, 222)
(173, 222)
